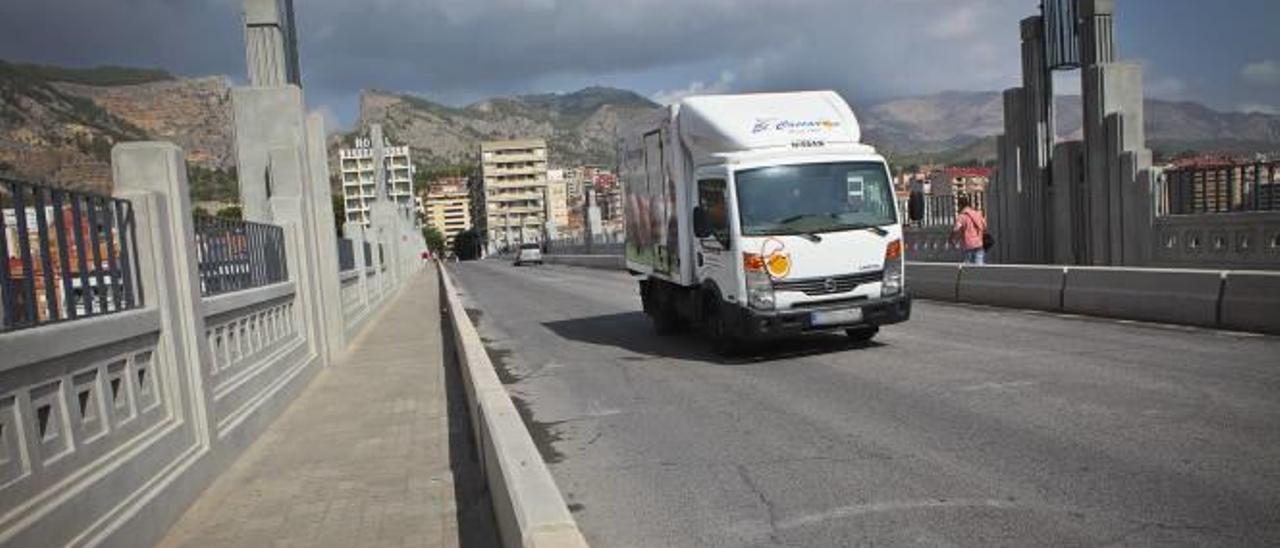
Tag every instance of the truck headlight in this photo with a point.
(759, 284)
(892, 284)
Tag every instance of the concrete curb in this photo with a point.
(1240, 300)
(529, 508)
(604, 262)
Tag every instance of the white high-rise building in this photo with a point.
(358, 178)
(511, 197)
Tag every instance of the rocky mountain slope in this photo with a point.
(949, 122)
(59, 124)
(578, 127)
(948, 126)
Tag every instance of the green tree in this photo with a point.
(233, 213)
(435, 240)
(466, 245)
(339, 214)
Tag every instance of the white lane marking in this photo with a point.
(997, 385)
(893, 506)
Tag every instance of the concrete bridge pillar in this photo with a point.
(325, 236)
(153, 175)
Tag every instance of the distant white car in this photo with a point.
(529, 253)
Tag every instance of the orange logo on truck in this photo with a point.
(777, 261)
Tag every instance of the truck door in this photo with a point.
(713, 254)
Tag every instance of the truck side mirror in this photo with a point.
(915, 206)
(701, 225)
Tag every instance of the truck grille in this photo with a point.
(828, 285)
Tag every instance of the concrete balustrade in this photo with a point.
(110, 426)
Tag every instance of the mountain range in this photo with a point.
(948, 127)
(59, 124)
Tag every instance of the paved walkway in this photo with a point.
(374, 452)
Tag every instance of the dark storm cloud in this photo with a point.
(465, 49)
(194, 37)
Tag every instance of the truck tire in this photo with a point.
(666, 321)
(723, 343)
(862, 334)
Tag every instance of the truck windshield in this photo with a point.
(813, 198)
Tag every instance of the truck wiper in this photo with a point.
(879, 231)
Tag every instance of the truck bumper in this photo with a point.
(756, 324)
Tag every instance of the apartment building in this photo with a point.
(557, 200)
(447, 208)
(510, 201)
(359, 189)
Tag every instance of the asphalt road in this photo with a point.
(967, 426)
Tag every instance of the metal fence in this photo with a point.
(346, 255)
(940, 210)
(237, 255)
(1221, 189)
(600, 244)
(68, 255)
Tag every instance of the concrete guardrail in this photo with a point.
(1033, 287)
(935, 281)
(1251, 301)
(1227, 299)
(605, 262)
(528, 506)
(1187, 297)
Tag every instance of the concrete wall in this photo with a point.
(1245, 240)
(1226, 299)
(937, 281)
(527, 505)
(111, 426)
(607, 262)
(1033, 287)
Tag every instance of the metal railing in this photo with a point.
(1221, 189)
(67, 255)
(940, 210)
(346, 255)
(238, 255)
(601, 244)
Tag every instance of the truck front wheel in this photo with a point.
(862, 334)
(717, 330)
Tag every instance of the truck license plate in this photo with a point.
(833, 317)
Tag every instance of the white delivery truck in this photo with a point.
(761, 215)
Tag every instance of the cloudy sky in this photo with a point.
(1223, 53)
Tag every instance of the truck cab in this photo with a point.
(762, 216)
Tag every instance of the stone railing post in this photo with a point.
(356, 233)
(153, 176)
(291, 208)
(325, 236)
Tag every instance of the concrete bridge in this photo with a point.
(179, 381)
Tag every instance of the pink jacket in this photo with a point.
(970, 225)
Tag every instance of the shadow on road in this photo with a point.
(631, 331)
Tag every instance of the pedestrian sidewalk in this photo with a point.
(375, 451)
